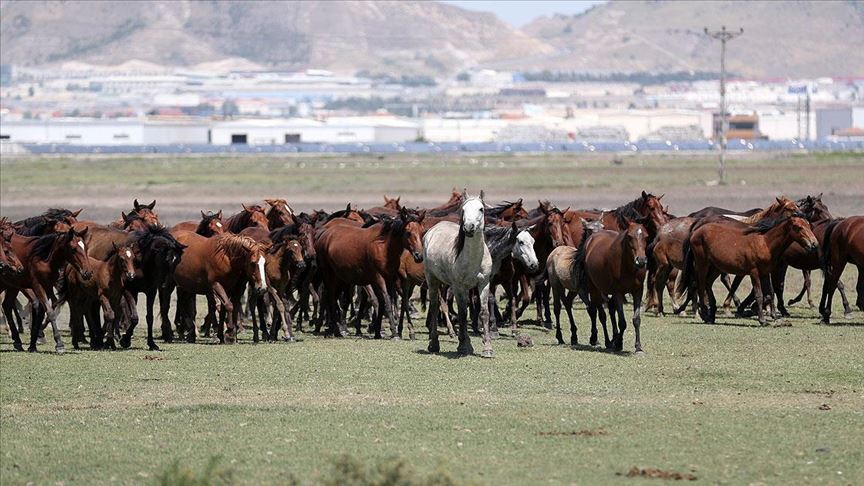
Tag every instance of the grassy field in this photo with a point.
(729, 403)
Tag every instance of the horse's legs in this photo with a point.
(130, 301)
(592, 314)
(9, 301)
(637, 318)
(389, 294)
(556, 306)
(661, 280)
(164, 307)
(622, 321)
(829, 285)
(601, 312)
(568, 306)
(847, 311)
(432, 314)
(252, 306)
(756, 281)
(462, 312)
(778, 281)
(407, 290)
(484, 319)
(732, 288)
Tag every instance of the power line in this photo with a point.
(723, 36)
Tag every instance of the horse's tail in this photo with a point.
(686, 280)
(825, 256)
(580, 276)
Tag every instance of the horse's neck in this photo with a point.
(237, 222)
(777, 239)
(473, 248)
(393, 246)
(115, 272)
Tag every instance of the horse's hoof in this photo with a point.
(639, 352)
(126, 342)
(31, 349)
(494, 334)
(574, 343)
(434, 347)
(487, 353)
(168, 338)
(396, 337)
(763, 324)
(465, 351)
(153, 347)
(18, 346)
(847, 315)
(60, 350)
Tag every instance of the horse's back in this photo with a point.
(851, 231)
(559, 266)
(184, 226)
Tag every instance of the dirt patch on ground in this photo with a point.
(651, 473)
(576, 433)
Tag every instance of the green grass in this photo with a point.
(728, 403)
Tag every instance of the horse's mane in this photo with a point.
(286, 232)
(234, 245)
(144, 238)
(36, 225)
(236, 222)
(499, 241)
(758, 216)
(43, 246)
(577, 265)
(767, 224)
(367, 218)
(496, 211)
(628, 212)
(389, 226)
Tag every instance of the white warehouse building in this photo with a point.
(94, 131)
(300, 130)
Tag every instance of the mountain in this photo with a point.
(393, 37)
(781, 38)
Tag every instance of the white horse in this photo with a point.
(517, 244)
(457, 256)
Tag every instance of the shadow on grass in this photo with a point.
(446, 354)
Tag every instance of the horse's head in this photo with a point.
(412, 231)
(73, 246)
(256, 217)
(651, 208)
(280, 213)
(126, 259)
(636, 240)
(9, 262)
(814, 208)
(591, 226)
(158, 253)
(293, 253)
(801, 231)
(306, 230)
(392, 203)
(471, 214)
(554, 224)
(211, 224)
(255, 265)
(523, 248)
(133, 221)
(781, 207)
(146, 212)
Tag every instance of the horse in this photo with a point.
(665, 256)
(506, 211)
(279, 213)
(217, 268)
(719, 247)
(456, 255)
(451, 206)
(9, 262)
(559, 268)
(509, 244)
(350, 214)
(391, 207)
(304, 231)
(210, 224)
(715, 211)
(144, 212)
(350, 255)
(283, 261)
(250, 216)
(843, 243)
(611, 264)
(104, 290)
(43, 258)
(54, 220)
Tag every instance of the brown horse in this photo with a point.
(720, 247)
(350, 255)
(43, 258)
(143, 212)
(217, 268)
(843, 243)
(283, 261)
(250, 216)
(304, 231)
(105, 291)
(666, 256)
(53, 220)
(9, 262)
(210, 224)
(549, 232)
(279, 214)
(507, 211)
(451, 206)
(391, 207)
(611, 264)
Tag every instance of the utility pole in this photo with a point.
(723, 36)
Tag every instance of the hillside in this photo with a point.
(781, 38)
(413, 37)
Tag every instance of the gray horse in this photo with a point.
(457, 256)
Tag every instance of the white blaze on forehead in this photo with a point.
(128, 254)
(81, 244)
(288, 208)
(261, 271)
(218, 224)
(639, 231)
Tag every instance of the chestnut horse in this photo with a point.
(218, 268)
(611, 264)
(279, 214)
(144, 212)
(250, 216)
(737, 249)
(9, 262)
(105, 291)
(506, 211)
(349, 255)
(210, 224)
(843, 243)
(51, 221)
(43, 258)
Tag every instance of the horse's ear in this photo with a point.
(76, 213)
(519, 203)
(151, 205)
(644, 195)
(661, 196)
(245, 208)
(135, 205)
(482, 195)
(348, 207)
(464, 194)
(114, 245)
(386, 199)
(583, 221)
(565, 211)
(397, 200)
(219, 214)
(421, 215)
(819, 197)
(779, 199)
(84, 233)
(124, 216)
(203, 215)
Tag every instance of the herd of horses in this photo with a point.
(281, 269)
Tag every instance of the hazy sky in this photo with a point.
(519, 12)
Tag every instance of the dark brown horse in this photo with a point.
(507, 211)
(738, 249)
(610, 265)
(279, 213)
(218, 268)
(43, 258)
(51, 221)
(143, 212)
(391, 207)
(9, 262)
(105, 291)
(283, 261)
(349, 256)
(843, 243)
(250, 216)
(210, 224)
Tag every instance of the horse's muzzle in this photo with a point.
(130, 276)
(301, 266)
(812, 247)
(641, 262)
(87, 275)
(418, 257)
